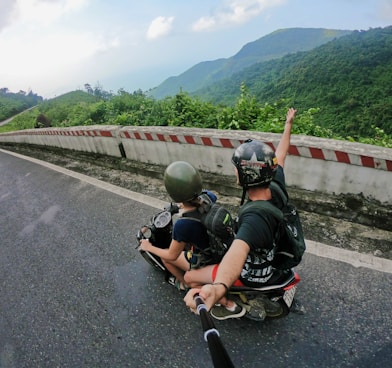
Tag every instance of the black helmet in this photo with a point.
(182, 181)
(256, 163)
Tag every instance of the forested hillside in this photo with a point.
(14, 103)
(348, 79)
(342, 90)
(271, 46)
(137, 109)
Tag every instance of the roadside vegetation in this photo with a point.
(98, 107)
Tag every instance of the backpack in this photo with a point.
(289, 239)
(218, 222)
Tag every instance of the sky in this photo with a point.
(55, 46)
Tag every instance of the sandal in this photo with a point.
(180, 286)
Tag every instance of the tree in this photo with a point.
(42, 121)
(88, 89)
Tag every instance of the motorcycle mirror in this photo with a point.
(146, 232)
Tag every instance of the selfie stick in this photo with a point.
(219, 355)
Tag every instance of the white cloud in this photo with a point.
(47, 11)
(204, 24)
(235, 12)
(52, 57)
(7, 8)
(386, 10)
(159, 27)
(34, 48)
(41, 49)
(38, 12)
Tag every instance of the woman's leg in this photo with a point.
(206, 275)
(178, 267)
(200, 276)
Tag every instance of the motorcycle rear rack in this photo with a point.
(292, 280)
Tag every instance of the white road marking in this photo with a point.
(356, 259)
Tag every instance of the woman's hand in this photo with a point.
(145, 245)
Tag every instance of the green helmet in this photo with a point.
(182, 181)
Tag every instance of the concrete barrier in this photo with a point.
(95, 138)
(325, 165)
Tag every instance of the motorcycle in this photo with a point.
(271, 301)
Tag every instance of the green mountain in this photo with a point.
(272, 46)
(73, 98)
(14, 103)
(349, 79)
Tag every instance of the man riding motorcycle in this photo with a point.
(257, 165)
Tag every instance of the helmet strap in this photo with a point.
(243, 196)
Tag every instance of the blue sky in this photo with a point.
(56, 46)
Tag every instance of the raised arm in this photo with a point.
(284, 143)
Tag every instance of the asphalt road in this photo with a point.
(74, 292)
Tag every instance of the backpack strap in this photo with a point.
(192, 215)
(277, 188)
(276, 212)
(195, 216)
(274, 185)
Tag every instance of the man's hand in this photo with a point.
(290, 115)
(208, 292)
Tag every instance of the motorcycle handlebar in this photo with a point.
(173, 208)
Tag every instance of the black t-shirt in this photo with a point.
(257, 228)
(194, 234)
(191, 232)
